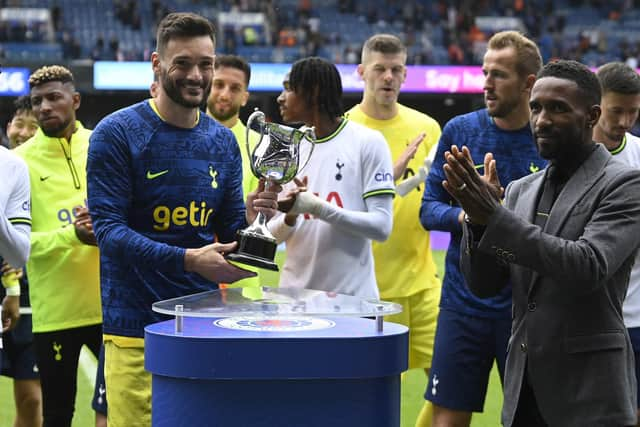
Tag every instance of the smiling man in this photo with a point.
(164, 183)
(228, 95)
(24, 123)
(63, 265)
(473, 332)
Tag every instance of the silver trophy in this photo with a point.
(275, 156)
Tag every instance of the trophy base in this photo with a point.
(256, 250)
(252, 261)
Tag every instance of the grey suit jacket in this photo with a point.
(569, 281)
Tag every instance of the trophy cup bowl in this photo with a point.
(275, 156)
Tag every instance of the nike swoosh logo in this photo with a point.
(44, 178)
(151, 175)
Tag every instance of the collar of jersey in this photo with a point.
(44, 143)
(620, 147)
(154, 107)
(379, 124)
(343, 123)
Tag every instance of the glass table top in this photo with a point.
(272, 302)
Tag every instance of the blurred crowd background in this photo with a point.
(436, 32)
(80, 33)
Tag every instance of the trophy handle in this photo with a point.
(310, 136)
(258, 116)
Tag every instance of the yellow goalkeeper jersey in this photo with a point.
(404, 264)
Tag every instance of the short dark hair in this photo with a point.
(578, 73)
(183, 24)
(618, 77)
(234, 61)
(50, 73)
(319, 81)
(22, 105)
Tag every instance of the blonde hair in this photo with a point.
(50, 73)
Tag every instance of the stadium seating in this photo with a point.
(617, 32)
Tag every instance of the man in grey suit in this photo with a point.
(565, 239)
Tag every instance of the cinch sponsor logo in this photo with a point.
(383, 176)
(196, 215)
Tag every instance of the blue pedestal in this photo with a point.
(346, 375)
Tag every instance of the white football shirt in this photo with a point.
(345, 168)
(15, 209)
(629, 153)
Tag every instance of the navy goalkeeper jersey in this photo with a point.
(516, 155)
(153, 190)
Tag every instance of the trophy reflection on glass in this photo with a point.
(275, 156)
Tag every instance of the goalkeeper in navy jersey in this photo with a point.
(164, 183)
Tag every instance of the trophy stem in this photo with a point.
(261, 222)
(256, 245)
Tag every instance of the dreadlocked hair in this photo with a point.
(319, 82)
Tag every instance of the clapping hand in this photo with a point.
(478, 195)
(409, 153)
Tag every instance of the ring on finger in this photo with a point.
(462, 187)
